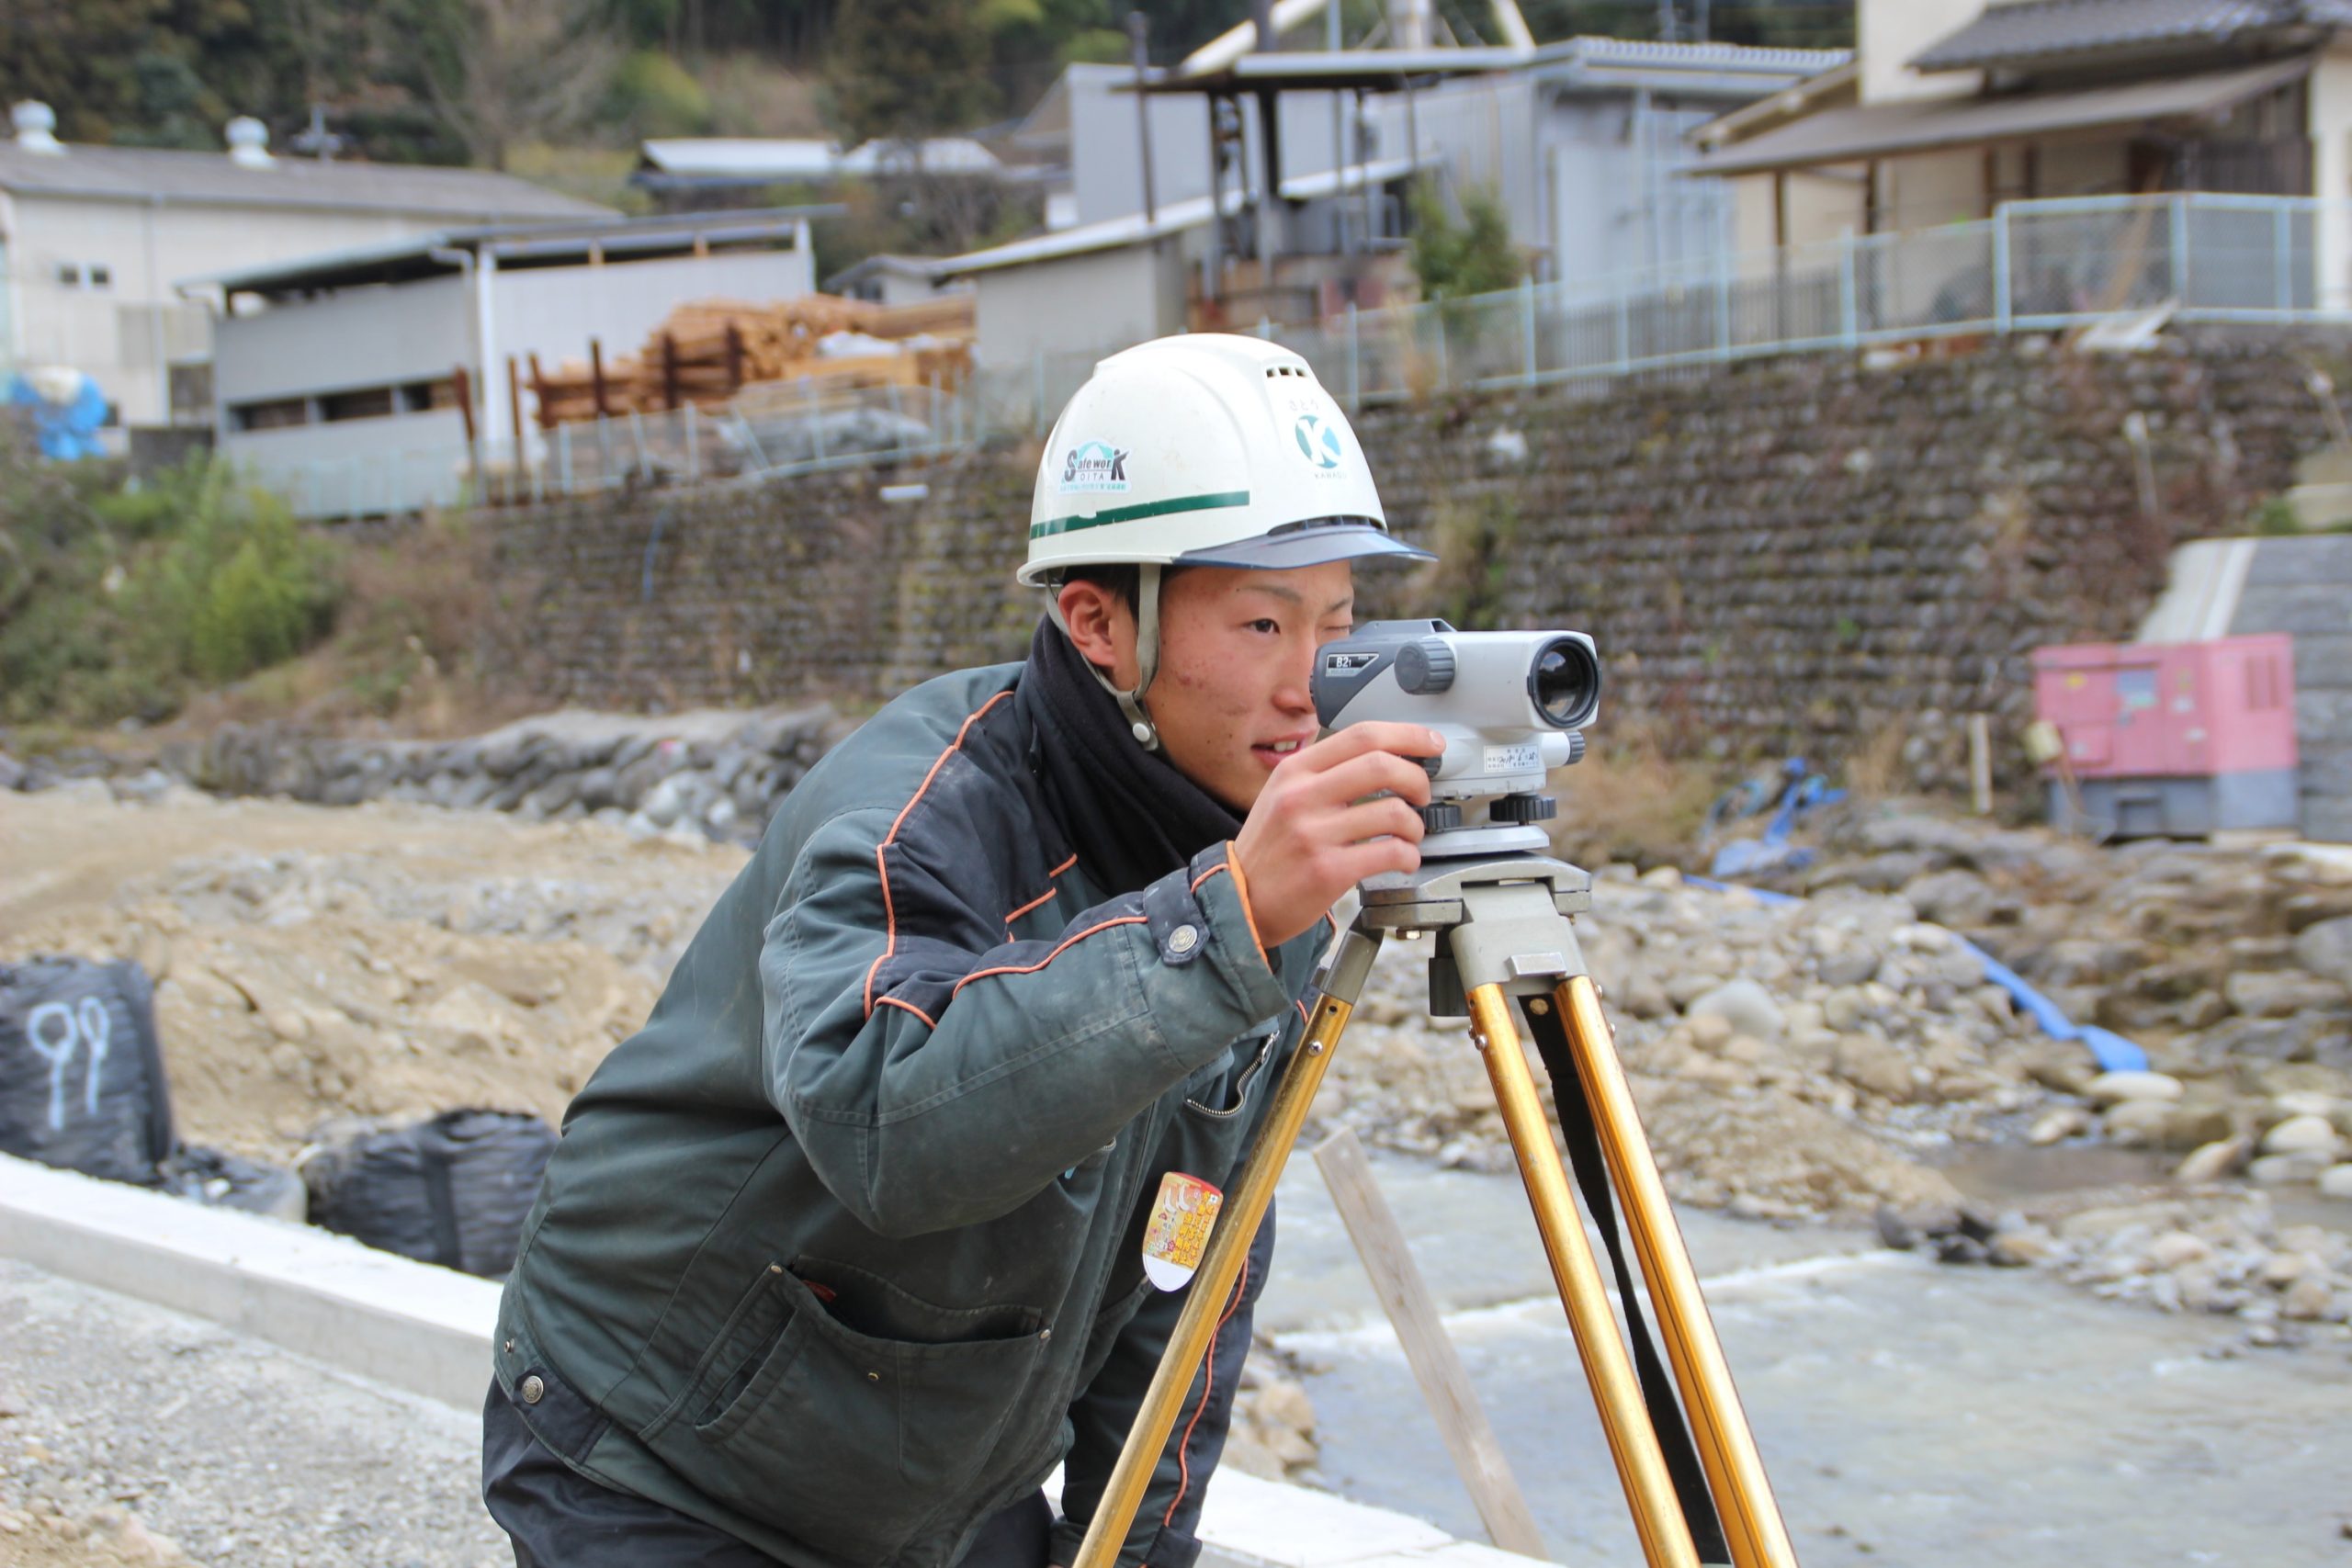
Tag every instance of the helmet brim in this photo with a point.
(1311, 546)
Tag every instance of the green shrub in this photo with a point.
(114, 601)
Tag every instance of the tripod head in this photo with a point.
(1511, 707)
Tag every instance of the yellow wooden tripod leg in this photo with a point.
(1633, 1443)
(1212, 1285)
(1751, 1519)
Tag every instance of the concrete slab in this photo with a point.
(424, 1330)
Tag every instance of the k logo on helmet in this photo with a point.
(1318, 441)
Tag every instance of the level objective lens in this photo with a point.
(1565, 683)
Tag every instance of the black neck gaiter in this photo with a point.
(1131, 816)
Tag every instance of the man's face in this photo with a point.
(1237, 654)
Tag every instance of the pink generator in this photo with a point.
(2172, 739)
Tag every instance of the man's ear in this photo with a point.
(1102, 628)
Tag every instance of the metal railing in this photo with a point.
(2034, 267)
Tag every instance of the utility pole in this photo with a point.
(1138, 24)
(1667, 28)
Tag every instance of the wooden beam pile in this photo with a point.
(708, 351)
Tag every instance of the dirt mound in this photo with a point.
(411, 962)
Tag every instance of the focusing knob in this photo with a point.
(1441, 817)
(1576, 747)
(1425, 668)
(1524, 809)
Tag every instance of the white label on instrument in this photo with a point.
(1525, 758)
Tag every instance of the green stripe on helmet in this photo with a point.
(1208, 502)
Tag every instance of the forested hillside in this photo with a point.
(499, 83)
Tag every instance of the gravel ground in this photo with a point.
(129, 1435)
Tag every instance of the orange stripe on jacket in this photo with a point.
(1067, 943)
(889, 908)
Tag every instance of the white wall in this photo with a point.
(2331, 131)
(358, 337)
(389, 333)
(1079, 304)
(115, 333)
(1889, 32)
(359, 467)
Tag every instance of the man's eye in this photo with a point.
(1266, 625)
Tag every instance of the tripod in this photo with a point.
(1504, 933)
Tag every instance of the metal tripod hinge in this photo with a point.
(1505, 934)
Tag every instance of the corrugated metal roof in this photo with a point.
(805, 158)
(412, 255)
(1173, 218)
(212, 179)
(2049, 29)
(1881, 131)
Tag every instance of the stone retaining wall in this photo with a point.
(1795, 554)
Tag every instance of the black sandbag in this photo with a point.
(453, 1190)
(222, 1180)
(81, 1070)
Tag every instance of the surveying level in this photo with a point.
(1505, 950)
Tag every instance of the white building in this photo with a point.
(92, 240)
(336, 376)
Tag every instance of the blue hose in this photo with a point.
(2111, 1051)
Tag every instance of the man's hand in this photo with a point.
(1332, 813)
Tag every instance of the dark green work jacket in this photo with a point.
(842, 1250)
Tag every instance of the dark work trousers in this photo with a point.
(557, 1517)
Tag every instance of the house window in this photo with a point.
(372, 404)
(100, 277)
(85, 274)
(278, 413)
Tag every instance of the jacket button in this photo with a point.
(534, 1389)
(1184, 938)
(1044, 1335)
(874, 1377)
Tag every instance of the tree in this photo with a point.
(515, 71)
(1474, 255)
(904, 70)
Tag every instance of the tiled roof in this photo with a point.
(2043, 30)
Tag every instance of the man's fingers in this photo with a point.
(1369, 774)
(1379, 735)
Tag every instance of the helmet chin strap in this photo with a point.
(1138, 719)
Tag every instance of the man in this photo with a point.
(844, 1251)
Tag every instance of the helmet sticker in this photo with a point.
(1319, 441)
(1094, 465)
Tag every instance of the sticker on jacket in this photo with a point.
(1182, 1217)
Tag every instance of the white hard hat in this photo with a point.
(1204, 450)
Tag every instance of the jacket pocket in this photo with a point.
(846, 1412)
(1227, 1094)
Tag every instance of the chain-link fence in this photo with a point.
(2035, 266)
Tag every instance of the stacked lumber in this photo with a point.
(708, 351)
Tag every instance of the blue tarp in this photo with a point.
(68, 430)
(2111, 1051)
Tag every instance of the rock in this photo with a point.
(2287, 1170)
(2057, 1124)
(2325, 948)
(2113, 1088)
(2307, 1300)
(1747, 1007)
(2173, 1249)
(2335, 1182)
(1870, 1062)
(2302, 1135)
(2137, 1123)
(1844, 1009)
(1710, 1032)
(2212, 1161)
(1952, 898)
(1850, 967)
(2301, 1102)
(2061, 1065)
(2015, 1249)
(1684, 989)
(2279, 993)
